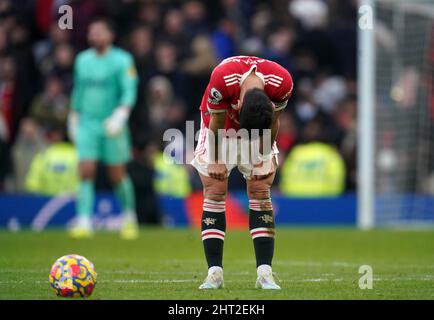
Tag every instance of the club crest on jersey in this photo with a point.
(209, 221)
(214, 96)
(266, 218)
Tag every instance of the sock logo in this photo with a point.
(266, 218)
(209, 221)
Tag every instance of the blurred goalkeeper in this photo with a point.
(246, 93)
(105, 90)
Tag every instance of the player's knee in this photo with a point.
(87, 171)
(213, 189)
(259, 192)
(215, 194)
(116, 174)
(259, 189)
(116, 178)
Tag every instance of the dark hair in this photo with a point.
(256, 111)
(107, 22)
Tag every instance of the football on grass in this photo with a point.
(73, 276)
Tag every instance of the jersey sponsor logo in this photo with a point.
(215, 96)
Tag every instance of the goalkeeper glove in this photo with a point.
(117, 121)
(72, 124)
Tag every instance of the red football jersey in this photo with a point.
(223, 91)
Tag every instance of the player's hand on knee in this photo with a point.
(264, 169)
(261, 177)
(218, 171)
(115, 124)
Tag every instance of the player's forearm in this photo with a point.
(266, 148)
(129, 97)
(75, 99)
(275, 130)
(129, 83)
(217, 122)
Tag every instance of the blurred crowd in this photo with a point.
(176, 45)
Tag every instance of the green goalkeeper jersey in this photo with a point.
(103, 82)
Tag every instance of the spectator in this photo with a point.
(54, 171)
(311, 13)
(4, 150)
(224, 39)
(197, 68)
(11, 112)
(44, 16)
(150, 14)
(202, 61)
(20, 49)
(3, 41)
(195, 17)
(142, 174)
(170, 180)
(44, 49)
(329, 92)
(279, 45)
(166, 65)
(84, 12)
(346, 119)
(165, 111)
(61, 65)
(175, 32)
(287, 135)
(313, 169)
(260, 22)
(29, 142)
(140, 44)
(51, 107)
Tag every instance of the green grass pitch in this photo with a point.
(312, 263)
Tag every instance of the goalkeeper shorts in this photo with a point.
(93, 144)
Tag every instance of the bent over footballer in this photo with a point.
(243, 93)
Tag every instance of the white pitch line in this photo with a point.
(107, 281)
(326, 276)
(169, 281)
(149, 281)
(295, 263)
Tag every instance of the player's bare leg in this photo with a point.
(214, 228)
(262, 228)
(85, 200)
(125, 193)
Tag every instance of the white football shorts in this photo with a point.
(235, 156)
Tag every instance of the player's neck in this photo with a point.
(103, 50)
(251, 82)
